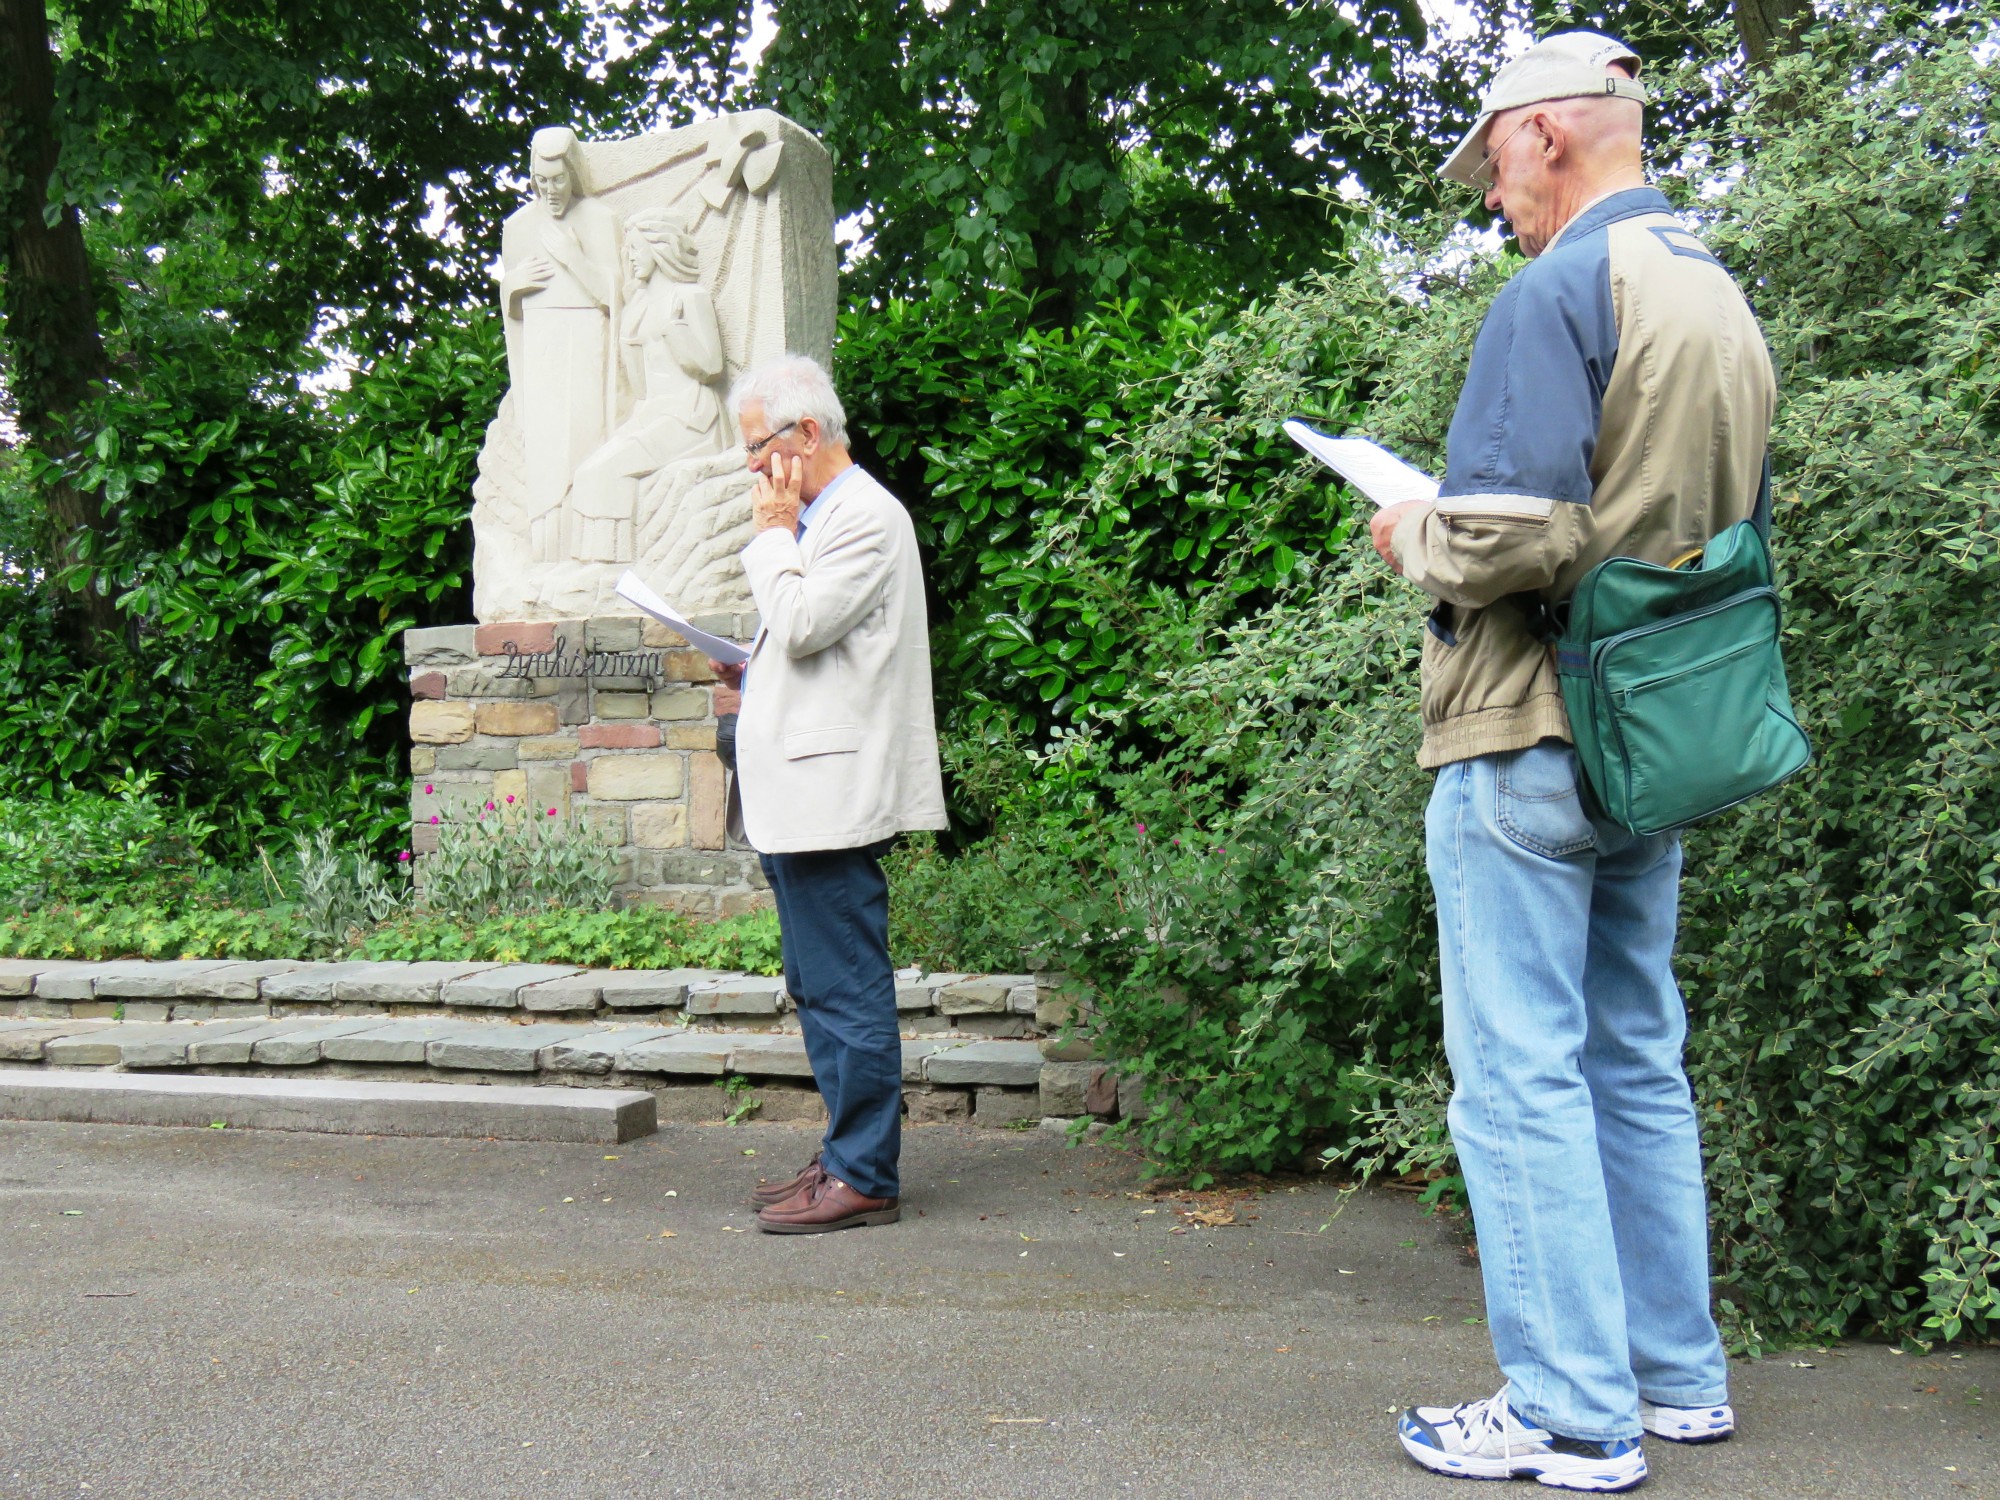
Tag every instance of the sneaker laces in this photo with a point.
(1492, 1415)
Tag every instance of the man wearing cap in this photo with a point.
(1617, 404)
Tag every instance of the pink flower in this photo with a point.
(552, 812)
(510, 799)
(491, 808)
(428, 789)
(1142, 830)
(434, 817)
(405, 854)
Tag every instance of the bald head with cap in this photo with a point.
(1560, 128)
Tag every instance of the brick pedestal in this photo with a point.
(610, 721)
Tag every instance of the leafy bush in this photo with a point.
(1840, 938)
(340, 889)
(125, 845)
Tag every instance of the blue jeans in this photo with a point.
(1571, 1112)
(833, 919)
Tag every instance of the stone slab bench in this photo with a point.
(334, 1106)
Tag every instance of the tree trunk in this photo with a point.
(1771, 26)
(53, 347)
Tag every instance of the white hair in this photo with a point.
(793, 387)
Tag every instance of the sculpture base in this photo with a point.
(611, 721)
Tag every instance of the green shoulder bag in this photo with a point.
(1674, 681)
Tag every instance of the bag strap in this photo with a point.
(1761, 516)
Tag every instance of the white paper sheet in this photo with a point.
(632, 588)
(1372, 469)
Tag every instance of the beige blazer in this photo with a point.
(836, 745)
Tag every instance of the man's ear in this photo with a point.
(1554, 138)
(809, 433)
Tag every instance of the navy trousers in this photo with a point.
(833, 916)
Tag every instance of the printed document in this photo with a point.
(633, 590)
(1372, 469)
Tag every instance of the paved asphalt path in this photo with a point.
(222, 1314)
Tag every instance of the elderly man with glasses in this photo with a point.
(836, 754)
(1618, 404)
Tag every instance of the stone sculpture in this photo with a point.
(645, 275)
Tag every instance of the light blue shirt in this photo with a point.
(806, 515)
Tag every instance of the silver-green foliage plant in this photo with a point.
(511, 858)
(340, 890)
(1840, 937)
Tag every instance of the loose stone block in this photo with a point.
(1132, 1098)
(1021, 999)
(1003, 1064)
(144, 980)
(659, 825)
(1073, 1050)
(402, 983)
(968, 997)
(581, 991)
(423, 759)
(621, 705)
(236, 1048)
(914, 1054)
(937, 1106)
(500, 988)
(681, 703)
(770, 1057)
(555, 747)
(310, 984)
(750, 996)
(691, 737)
(650, 989)
(440, 723)
(597, 1052)
(443, 646)
(702, 1053)
(72, 982)
(501, 1049)
(516, 719)
(236, 981)
(1065, 1084)
(1006, 1106)
(636, 778)
(23, 1041)
(397, 1041)
(138, 1046)
(427, 685)
(915, 994)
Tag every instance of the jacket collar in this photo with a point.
(1628, 203)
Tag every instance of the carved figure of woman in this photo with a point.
(672, 349)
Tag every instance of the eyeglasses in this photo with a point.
(753, 449)
(1482, 175)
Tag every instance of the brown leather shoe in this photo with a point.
(777, 1192)
(827, 1205)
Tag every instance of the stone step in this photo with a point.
(993, 1005)
(329, 1105)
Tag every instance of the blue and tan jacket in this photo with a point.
(1618, 405)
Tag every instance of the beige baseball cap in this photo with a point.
(1567, 65)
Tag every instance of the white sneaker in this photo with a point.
(1486, 1440)
(1688, 1424)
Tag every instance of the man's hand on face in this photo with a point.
(1383, 527)
(777, 502)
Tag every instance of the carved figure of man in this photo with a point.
(672, 351)
(560, 296)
